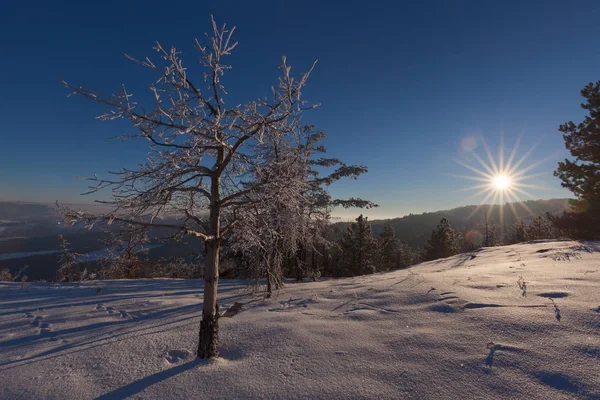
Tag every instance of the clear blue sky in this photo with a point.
(401, 84)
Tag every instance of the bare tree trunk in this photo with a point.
(208, 340)
(269, 277)
(269, 286)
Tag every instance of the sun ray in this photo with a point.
(473, 178)
(526, 193)
(484, 165)
(494, 202)
(522, 204)
(526, 177)
(513, 170)
(476, 195)
(484, 186)
(513, 153)
(501, 211)
(535, 164)
(486, 198)
(501, 154)
(489, 176)
(511, 204)
(529, 186)
(490, 157)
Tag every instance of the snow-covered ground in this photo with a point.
(447, 329)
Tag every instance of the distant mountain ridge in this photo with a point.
(415, 229)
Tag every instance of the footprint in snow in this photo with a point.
(44, 327)
(174, 356)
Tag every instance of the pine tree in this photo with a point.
(520, 230)
(359, 248)
(490, 233)
(540, 228)
(388, 248)
(66, 262)
(582, 175)
(406, 256)
(444, 242)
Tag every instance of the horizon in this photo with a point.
(449, 80)
(335, 218)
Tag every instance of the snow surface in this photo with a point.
(447, 329)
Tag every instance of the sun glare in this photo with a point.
(501, 182)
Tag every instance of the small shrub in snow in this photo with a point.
(523, 286)
(5, 275)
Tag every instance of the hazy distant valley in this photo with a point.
(29, 233)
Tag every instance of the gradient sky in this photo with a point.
(403, 85)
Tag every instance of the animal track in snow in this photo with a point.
(492, 305)
(447, 303)
(292, 303)
(493, 347)
(365, 306)
(45, 328)
(174, 356)
(113, 311)
(37, 320)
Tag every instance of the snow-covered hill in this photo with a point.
(462, 327)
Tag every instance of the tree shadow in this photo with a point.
(101, 331)
(590, 246)
(139, 385)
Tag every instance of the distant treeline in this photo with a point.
(415, 229)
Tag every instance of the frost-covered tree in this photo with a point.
(67, 262)
(124, 248)
(540, 228)
(272, 221)
(582, 174)
(444, 242)
(490, 232)
(407, 256)
(201, 162)
(5, 275)
(283, 223)
(519, 231)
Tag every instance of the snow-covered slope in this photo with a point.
(447, 329)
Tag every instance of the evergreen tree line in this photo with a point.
(333, 253)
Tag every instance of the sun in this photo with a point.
(501, 182)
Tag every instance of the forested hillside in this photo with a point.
(415, 229)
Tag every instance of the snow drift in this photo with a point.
(520, 321)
